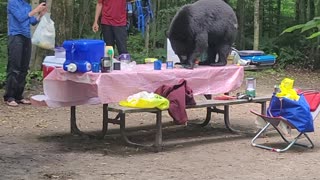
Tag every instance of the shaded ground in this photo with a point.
(35, 143)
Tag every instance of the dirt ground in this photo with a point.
(35, 143)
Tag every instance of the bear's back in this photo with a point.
(212, 10)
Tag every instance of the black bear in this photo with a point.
(205, 26)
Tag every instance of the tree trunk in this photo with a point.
(154, 23)
(256, 24)
(62, 15)
(302, 11)
(147, 36)
(317, 8)
(241, 22)
(317, 14)
(278, 18)
(84, 17)
(310, 9)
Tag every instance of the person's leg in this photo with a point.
(24, 67)
(107, 35)
(121, 36)
(15, 49)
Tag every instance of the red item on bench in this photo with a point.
(224, 97)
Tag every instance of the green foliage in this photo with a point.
(2, 79)
(136, 48)
(159, 53)
(3, 52)
(34, 77)
(310, 25)
(138, 51)
(290, 56)
(3, 59)
(3, 14)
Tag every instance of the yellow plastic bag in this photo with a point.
(286, 90)
(146, 100)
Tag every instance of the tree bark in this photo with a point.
(302, 11)
(256, 24)
(241, 22)
(62, 15)
(278, 19)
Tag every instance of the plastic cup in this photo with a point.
(157, 64)
(96, 67)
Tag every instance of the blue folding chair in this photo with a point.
(275, 121)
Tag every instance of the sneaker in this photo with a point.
(23, 101)
(12, 103)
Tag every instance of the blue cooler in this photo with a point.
(261, 59)
(250, 53)
(82, 53)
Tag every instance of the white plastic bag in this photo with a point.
(171, 55)
(44, 35)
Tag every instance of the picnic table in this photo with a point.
(64, 89)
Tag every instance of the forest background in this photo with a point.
(262, 24)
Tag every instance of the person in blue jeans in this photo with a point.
(20, 17)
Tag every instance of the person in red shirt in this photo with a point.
(113, 15)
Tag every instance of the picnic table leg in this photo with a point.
(73, 121)
(105, 118)
(158, 138)
(264, 108)
(123, 128)
(209, 110)
(76, 131)
(226, 116)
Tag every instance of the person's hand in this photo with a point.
(95, 27)
(41, 7)
(43, 12)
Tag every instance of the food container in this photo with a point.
(51, 62)
(150, 60)
(82, 53)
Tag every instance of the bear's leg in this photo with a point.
(223, 51)
(183, 60)
(191, 59)
(201, 45)
(211, 55)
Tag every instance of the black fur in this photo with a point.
(204, 26)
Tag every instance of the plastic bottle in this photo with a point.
(109, 52)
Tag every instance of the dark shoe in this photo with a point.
(23, 101)
(12, 103)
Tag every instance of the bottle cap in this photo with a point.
(72, 67)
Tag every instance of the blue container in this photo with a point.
(261, 60)
(169, 64)
(82, 53)
(250, 53)
(157, 65)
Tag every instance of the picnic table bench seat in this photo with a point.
(210, 104)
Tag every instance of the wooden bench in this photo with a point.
(211, 106)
